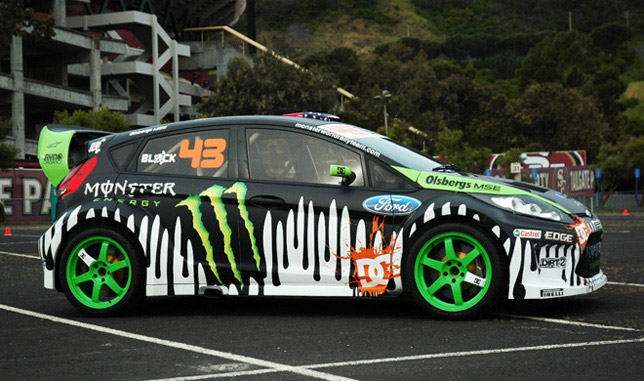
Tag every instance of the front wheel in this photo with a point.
(101, 272)
(455, 271)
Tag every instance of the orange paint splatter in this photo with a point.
(373, 264)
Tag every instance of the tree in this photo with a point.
(19, 21)
(568, 58)
(270, 87)
(618, 162)
(450, 144)
(102, 119)
(8, 152)
(550, 117)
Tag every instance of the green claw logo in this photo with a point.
(214, 193)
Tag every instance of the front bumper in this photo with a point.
(545, 288)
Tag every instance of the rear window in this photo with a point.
(202, 154)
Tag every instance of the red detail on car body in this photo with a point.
(76, 177)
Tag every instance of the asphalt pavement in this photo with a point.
(595, 336)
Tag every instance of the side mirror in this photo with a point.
(347, 175)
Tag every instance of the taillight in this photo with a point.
(76, 177)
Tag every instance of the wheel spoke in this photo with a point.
(116, 266)
(111, 283)
(96, 292)
(437, 285)
(472, 255)
(82, 278)
(102, 256)
(82, 254)
(432, 263)
(458, 295)
(450, 254)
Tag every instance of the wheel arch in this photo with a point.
(463, 210)
(104, 220)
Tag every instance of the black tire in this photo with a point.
(455, 286)
(102, 273)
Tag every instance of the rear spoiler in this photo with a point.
(58, 145)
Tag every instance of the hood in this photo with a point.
(574, 206)
(476, 184)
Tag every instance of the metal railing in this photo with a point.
(249, 41)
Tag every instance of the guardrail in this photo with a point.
(250, 41)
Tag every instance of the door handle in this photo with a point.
(266, 201)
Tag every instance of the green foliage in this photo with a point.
(513, 155)
(568, 58)
(16, 19)
(450, 144)
(610, 36)
(269, 87)
(8, 152)
(551, 117)
(102, 119)
(618, 162)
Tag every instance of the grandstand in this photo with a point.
(132, 56)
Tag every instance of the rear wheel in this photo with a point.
(455, 271)
(101, 273)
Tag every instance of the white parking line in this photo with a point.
(15, 243)
(625, 284)
(26, 235)
(418, 358)
(20, 255)
(277, 367)
(569, 322)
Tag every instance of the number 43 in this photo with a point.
(211, 157)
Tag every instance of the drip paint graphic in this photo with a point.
(214, 193)
(374, 265)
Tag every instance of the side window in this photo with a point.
(384, 178)
(203, 153)
(288, 156)
(121, 154)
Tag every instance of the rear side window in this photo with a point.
(121, 155)
(203, 154)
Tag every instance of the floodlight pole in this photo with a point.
(384, 97)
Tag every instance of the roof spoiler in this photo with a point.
(58, 145)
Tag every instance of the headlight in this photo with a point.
(529, 206)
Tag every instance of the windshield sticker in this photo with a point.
(158, 158)
(343, 137)
(394, 204)
(211, 157)
(147, 130)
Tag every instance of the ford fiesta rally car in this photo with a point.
(294, 206)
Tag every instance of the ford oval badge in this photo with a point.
(396, 204)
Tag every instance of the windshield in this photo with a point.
(405, 156)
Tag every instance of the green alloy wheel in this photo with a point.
(101, 272)
(455, 271)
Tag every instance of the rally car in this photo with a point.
(274, 205)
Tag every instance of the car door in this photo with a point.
(192, 209)
(313, 234)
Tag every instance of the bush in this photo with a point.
(103, 119)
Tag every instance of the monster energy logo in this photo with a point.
(214, 193)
